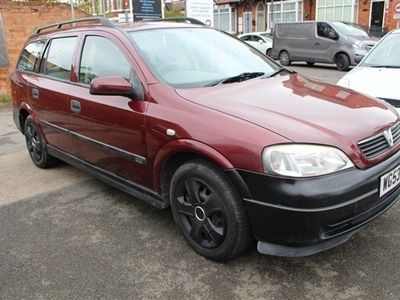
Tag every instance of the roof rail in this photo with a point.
(178, 19)
(102, 20)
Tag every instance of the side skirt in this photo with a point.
(120, 183)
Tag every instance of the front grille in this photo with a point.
(381, 142)
(394, 102)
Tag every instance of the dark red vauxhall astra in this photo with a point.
(186, 116)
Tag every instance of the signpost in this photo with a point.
(201, 10)
(146, 9)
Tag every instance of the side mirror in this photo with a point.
(261, 41)
(112, 86)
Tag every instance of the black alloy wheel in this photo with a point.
(209, 211)
(36, 145)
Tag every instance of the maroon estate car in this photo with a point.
(186, 116)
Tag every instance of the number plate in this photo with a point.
(389, 181)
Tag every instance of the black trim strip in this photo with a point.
(313, 210)
(134, 189)
(135, 157)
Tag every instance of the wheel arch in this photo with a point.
(22, 115)
(176, 153)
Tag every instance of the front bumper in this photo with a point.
(358, 55)
(298, 217)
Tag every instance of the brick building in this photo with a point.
(242, 16)
(19, 20)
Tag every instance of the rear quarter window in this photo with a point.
(30, 56)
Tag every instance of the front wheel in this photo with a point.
(342, 62)
(269, 52)
(208, 211)
(36, 145)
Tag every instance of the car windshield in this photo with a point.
(194, 57)
(266, 36)
(350, 30)
(386, 54)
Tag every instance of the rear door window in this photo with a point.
(30, 56)
(58, 58)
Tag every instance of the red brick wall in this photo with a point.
(309, 7)
(363, 12)
(20, 19)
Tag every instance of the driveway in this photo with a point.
(65, 235)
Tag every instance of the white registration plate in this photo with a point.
(389, 181)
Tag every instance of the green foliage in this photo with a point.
(173, 13)
(4, 99)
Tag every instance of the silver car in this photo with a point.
(321, 42)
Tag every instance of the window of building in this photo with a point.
(116, 5)
(285, 11)
(225, 18)
(247, 19)
(59, 58)
(260, 18)
(338, 10)
(30, 56)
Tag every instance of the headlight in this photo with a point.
(358, 45)
(302, 160)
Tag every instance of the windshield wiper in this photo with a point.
(279, 71)
(237, 78)
(385, 66)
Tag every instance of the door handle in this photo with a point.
(75, 106)
(316, 44)
(35, 93)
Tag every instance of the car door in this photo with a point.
(108, 132)
(48, 90)
(325, 42)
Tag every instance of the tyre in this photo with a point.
(284, 58)
(37, 146)
(310, 63)
(209, 211)
(269, 52)
(342, 62)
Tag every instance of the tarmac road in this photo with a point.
(65, 235)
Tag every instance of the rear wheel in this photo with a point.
(284, 58)
(342, 62)
(36, 145)
(208, 211)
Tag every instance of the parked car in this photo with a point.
(185, 116)
(321, 42)
(379, 72)
(259, 40)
